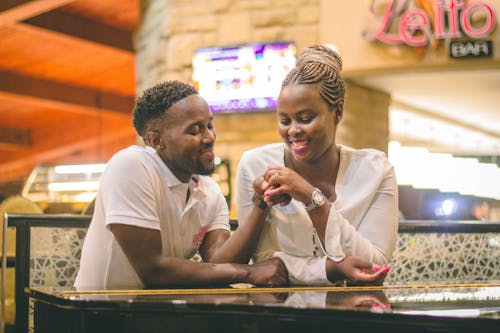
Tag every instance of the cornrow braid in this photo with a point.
(321, 65)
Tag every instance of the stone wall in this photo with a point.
(171, 30)
(366, 118)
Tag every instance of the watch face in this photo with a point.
(317, 197)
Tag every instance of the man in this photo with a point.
(156, 206)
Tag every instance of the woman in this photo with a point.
(326, 210)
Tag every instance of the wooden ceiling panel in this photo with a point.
(67, 82)
(70, 97)
(46, 54)
(45, 125)
(12, 11)
(78, 151)
(83, 28)
(78, 127)
(83, 139)
(22, 111)
(32, 112)
(123, 14)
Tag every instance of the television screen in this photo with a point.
(243, 77)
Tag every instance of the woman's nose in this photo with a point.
(295, 130)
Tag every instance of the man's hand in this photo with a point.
(356, 271)
(271, 272)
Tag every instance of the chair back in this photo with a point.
(20, 205)
(47, 253)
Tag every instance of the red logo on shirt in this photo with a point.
(198, 238)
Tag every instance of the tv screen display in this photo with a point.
(243, 77)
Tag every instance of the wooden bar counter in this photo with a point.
(430, 308)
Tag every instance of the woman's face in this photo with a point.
(305, 122)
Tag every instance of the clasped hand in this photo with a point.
(270, 272)
(278, 185)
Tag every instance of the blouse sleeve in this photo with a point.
(305, 270)
(244, 188)
(301, 270)
(375, 238)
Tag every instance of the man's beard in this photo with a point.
(203, 170)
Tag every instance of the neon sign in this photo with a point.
(451, 19)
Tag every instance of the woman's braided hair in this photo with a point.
(320, 65)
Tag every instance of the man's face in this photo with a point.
(187, 137)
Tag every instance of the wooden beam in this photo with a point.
(19, 168)
(13, 138)
(63, 93)
(13, 11)
(84, 28)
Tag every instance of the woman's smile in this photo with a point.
(299, 145)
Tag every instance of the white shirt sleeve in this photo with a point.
(220, 219)
(374, 239)
(128, 192)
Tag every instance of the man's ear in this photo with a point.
(154, 140)
(339, 113)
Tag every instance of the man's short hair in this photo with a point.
(155, 101)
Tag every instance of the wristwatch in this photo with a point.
(259, 202)
(317, 199)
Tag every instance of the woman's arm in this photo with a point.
(218, 247)
(324, 271)
(252, 216)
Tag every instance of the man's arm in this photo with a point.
(143, 249)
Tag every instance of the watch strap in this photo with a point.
(311, 206)
(259, 202)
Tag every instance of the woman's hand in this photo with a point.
(356, 271)
(260, 185)
(283, 184)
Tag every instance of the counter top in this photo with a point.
(431, 308)
(440, 300)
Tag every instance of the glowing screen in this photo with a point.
(243, 77)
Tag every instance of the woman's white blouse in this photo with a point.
(363, 220)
